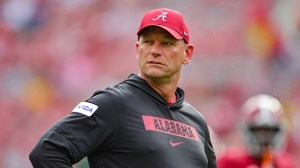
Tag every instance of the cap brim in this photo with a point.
(171, 31)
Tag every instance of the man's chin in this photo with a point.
(154, 74)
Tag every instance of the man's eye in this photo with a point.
(167, 43)
(147, 42)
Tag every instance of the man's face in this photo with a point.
(160, 55)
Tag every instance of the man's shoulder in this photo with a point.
(117, 92)
(187, 107)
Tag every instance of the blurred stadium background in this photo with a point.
(56, 53)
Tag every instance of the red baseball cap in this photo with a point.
(170, 20)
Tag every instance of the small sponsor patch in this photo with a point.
(85, 108)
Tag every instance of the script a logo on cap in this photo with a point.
(163, 16)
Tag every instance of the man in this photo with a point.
(143, 121)
(264, 131)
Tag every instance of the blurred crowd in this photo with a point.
(56, 53)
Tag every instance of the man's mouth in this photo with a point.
(154, 62)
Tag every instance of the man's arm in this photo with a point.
(51, 152)
(75, 136)
(210, 153)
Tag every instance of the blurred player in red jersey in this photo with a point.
(264, 131)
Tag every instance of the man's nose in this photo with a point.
(156, 48)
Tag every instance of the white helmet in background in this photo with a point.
(263, 124)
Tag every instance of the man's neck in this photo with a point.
(165, 89)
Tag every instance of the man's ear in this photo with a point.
(188, 54)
